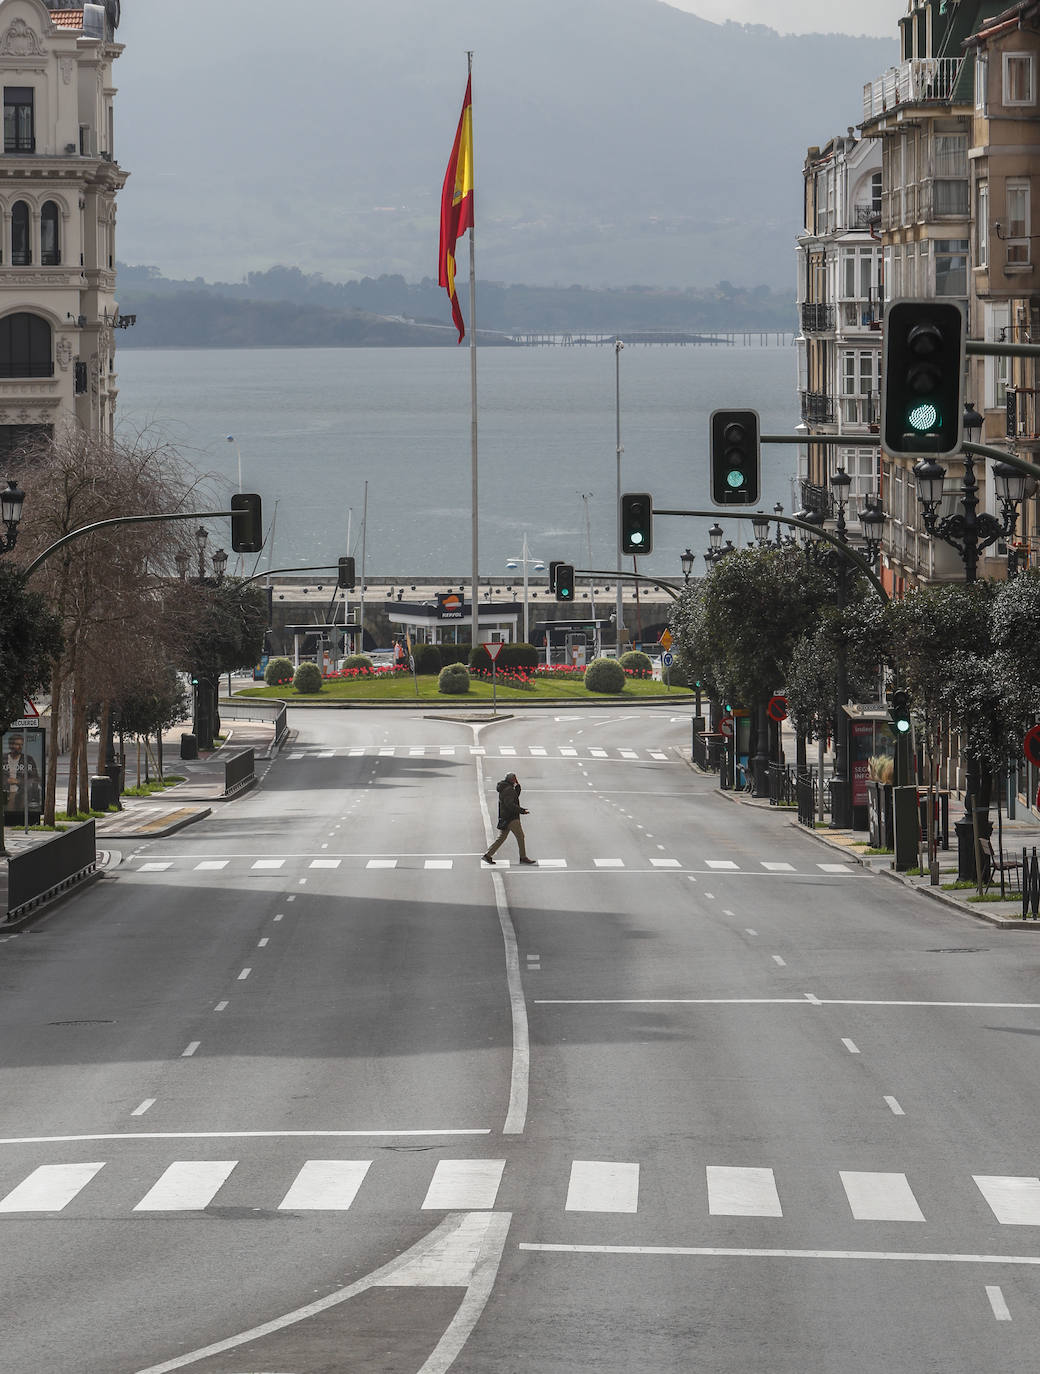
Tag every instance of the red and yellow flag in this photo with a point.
(457, 204)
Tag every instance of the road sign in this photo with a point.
(493, 650)
(667, 659)
(29, 719)
(666, 640)
(726, 726)
(777, 708)
(1031, 746)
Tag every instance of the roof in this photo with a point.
(67, 19)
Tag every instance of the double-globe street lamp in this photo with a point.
(12, 498)
(525, 561)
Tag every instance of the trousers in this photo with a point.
(513, 828)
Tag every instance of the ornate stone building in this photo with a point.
(59, 179)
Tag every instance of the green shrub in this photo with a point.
(637, 663)
(605, 675)
(453, 680)
(355, 661)
(510, 656)
(453, 653)
(307, 678)
(427, 660)
(278, 670)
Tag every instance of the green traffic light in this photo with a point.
(902, 726)
(923, 418)
(734, 478)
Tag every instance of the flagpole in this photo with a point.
(475, 590)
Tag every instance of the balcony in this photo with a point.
(924, 81)
(816, 318)
(817, 408)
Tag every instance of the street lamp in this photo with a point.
(687, 560)
(201, 539)
(12, 498)
(220, 559)
(525, 560)
(714, 551)
(619, 623)
(182, 558)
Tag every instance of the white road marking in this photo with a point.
(552, 863)
(269, 863)
(190, 1049)
(880, 1197)
(781, 963)
(598, 753)
(154, 867)
(777, 867)
(262, 944)
(834, 868)
(996, 1301)
(244, 974)
(597, 1186)
(439, 863)
(329, 1185)
(49, 1188)
(221, 1006)
(609, 863)
(187, 1186)
(140, 1111)
(666, 863)
(381, 863)
(213, 865)
(325, 863)
(660, 757)
(464, 1185)
(537, 752)
(628, 753)
(726, 864)
(1013, 1201)
(569, 753)
(785, 1001)
(850, 1046)
(722, 1252)
(749, 931)
(742, 1192)
(894, 1107)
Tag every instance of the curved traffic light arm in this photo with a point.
(120, 520)
(672, 588)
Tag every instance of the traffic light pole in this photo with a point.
(121, 520)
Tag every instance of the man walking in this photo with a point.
(509, 813)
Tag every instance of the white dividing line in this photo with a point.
(880, 1197)
(781, 963)
(140, 1111)
(742, 1192)
(997, 1303)
(464, 1185)
(329, 1185)
(1013, 1201)
(248, 1135)
(187, 1186)
(49, 1188)
(720, 1252)
(596, 1186)
(850, 1046)
(221, 1006)
(381, 863)
(244, 974)
(894, 1107)
(779, 1001)
(192, 1047)
(261, 944)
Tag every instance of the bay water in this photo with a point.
(312, 426)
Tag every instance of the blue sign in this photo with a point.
(667, 659)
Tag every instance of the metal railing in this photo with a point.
(929, 80)
(783, 787)
(1030, 886)
(817, 317)
(275, 712)
(805, 792)
(817, 408)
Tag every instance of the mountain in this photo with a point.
(617, 141)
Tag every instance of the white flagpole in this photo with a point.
(475, 580)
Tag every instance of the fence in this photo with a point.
(239, 773)
(805, 790)
(783, 788)
(1030, 886)
(274, 712)
(49, 868)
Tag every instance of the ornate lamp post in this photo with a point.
(686, 559)
(12, 498)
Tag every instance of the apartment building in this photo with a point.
(923, 114)
(839, 311)
(59, 180)
(1004, 282)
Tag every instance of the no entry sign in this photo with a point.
(777, 708)
(1031, 746)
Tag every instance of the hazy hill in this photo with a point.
(617, 141)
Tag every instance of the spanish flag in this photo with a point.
(457, 204)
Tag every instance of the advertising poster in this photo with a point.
(23, 773)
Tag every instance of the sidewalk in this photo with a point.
(1021, 833)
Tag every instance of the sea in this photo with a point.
(368, 451)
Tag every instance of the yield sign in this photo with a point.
(666, 638)
(493, 650)
(28, 720)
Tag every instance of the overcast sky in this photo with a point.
(876, 17)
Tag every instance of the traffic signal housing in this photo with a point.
(899, 712)
(554, 563)
(247, 526)
(346, 578)
(736, 457)
(564, 587)
(922, 390)
(637, 522)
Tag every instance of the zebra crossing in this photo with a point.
(505, 752)
(444, 863)
(605, 1187)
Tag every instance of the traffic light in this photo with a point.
(899, 712)
(564, 582)
(346, 577)
(736, 457)
(247, 526)
(637, 522)
(922, 391)
(554, 563)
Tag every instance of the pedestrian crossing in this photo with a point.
(508, 752)
(605, 1187)
(239, 864)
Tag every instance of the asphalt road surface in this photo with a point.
(308, 1089)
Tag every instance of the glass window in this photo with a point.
(951, 267)
(21, 243)
(1017, 232)
(981, 78)
(50, 252)
(1018, 79)
(18, 120)
(25, 347)
(951, 155)
(951, 198)
(982, 224)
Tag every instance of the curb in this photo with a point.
(172, 829)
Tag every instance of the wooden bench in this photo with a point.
(993, 867)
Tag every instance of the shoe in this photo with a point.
(528, 861)
(486, 858)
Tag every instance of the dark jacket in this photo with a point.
(509, 808)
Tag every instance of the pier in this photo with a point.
(763, 338)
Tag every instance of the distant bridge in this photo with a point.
(680, 337)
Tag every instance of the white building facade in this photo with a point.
(59, 180)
